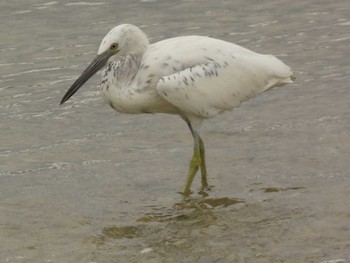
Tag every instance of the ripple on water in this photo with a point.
(20, 12)
(116, 232)
(31, 71)
(188, 209)
(84, 4)
(279, 189)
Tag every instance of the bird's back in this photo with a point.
(192, 50)
(204, 76)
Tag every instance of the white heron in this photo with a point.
(195, 77)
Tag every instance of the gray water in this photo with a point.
(80, 183)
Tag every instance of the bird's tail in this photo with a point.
(284, 81)
(280, 73)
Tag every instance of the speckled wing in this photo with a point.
(207, 89)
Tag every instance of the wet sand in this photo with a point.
(80, 183)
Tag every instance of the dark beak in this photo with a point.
(98, 63)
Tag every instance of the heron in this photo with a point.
(195, 77)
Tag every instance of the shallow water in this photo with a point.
(80, 183)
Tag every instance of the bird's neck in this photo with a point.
(125, 67)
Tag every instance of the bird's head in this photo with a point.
(122, 40)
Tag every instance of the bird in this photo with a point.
(195, 77)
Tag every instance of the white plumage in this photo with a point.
(195, 77)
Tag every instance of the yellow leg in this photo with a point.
(194, 166)
(198, 160)
(202, 163)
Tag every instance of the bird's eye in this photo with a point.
(114, 46)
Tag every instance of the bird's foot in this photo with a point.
(204, 191)
(194, 166)
(185, 194)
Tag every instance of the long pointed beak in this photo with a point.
(98, 63)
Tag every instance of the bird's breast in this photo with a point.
(133, 98)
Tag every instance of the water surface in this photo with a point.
(80, 183)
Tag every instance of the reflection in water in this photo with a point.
(173, 224)
(220, 226)
(198, 212)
